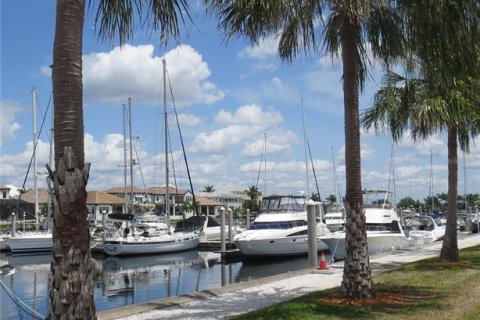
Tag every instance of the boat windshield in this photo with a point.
(277, 225)
(283, 203)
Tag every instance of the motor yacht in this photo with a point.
(384, 230)
(280, 229)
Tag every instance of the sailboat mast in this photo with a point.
(265, 161)
(305, 145)
(131, 152)
(167, 194)
(431, 182)
(124, 113)
(35, 188)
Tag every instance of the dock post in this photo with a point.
(14, 221)
(312, 233)
(247, 219)
(230, 225)
(222, 230)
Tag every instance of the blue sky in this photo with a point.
(228, 96)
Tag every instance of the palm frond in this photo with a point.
(116, 18)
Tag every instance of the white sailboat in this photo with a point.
(167, 242)
(31, 242)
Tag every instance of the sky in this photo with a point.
(231, 99)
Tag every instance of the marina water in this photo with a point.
(129, 280)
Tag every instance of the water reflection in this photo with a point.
(121, 281)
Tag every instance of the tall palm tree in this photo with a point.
(71, 280)
(350, 26)
(440, 89)
(414, 104)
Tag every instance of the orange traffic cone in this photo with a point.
(323, 263)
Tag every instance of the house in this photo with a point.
(177, 198)
(226, 199)
(208, 206)
(4, 192)
(139, 195)
(99, 203)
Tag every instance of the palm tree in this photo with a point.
(415, 105)
(350, 26)
(439, 91)
(71, 280)
(208, 188)
(253, 193)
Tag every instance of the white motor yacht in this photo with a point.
(384, 230)
(335, 218)
(424, 229)
(280, 229)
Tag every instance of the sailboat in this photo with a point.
(31, 242)
(129, 244)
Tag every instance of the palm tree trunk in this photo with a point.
(357, 281)
(449, 252)
(71, 279)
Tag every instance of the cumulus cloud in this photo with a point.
(266, 47)
(189, 120)
(13, 167)
(222, 139)
(250, 115)
(135, 71)
(243, 125)
(278, 142)
(8, 125)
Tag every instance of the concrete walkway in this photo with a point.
(243, 297)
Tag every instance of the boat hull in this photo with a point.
(297, 245)
(147, 246)
(31, 243)
(377, 243)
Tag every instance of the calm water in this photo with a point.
(130, 280)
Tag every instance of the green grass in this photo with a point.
(428, 290)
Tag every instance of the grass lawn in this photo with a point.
(423, 290)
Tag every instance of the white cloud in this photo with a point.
(13, 167)
(278, 142)
(134, 71)
(250, 115)
(222, 139)
(189, 120)
(8, 125)
(244, 124)
(266, 47)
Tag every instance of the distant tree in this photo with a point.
(253, 193)
(331, 198)
(432, 202)
(186, 206)
(408, 202)
(315, 197)
(208, 188)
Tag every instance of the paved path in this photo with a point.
(247, 296)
